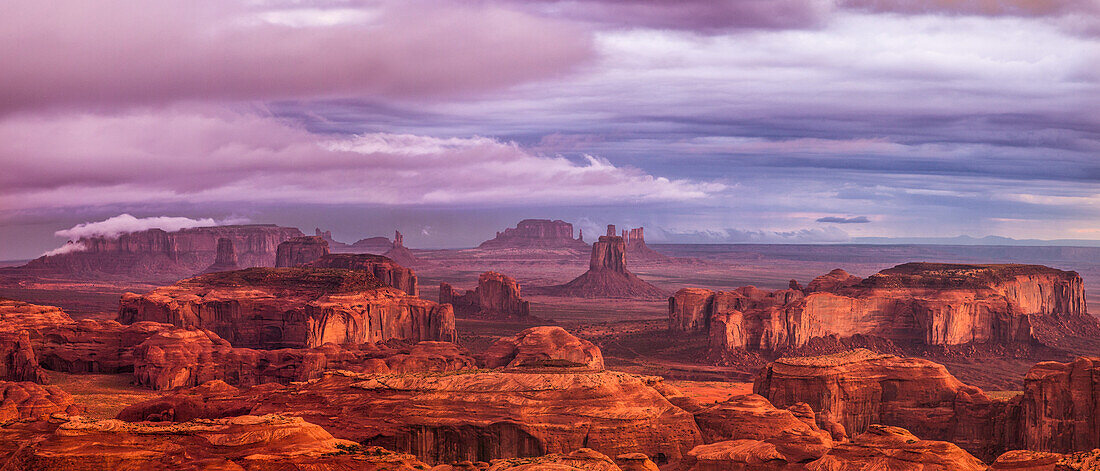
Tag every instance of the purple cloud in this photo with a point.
(844, 220)
(697, 15)
(118, 52)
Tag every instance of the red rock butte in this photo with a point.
(292, 307)
(914, 303)
(607, 276)
(536, 234)
(497, 296)
(385, 270)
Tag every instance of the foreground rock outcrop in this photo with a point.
(385, 270)
(254, 443)
(1060, 408)
(157, 254)
(607, 276)
(497, 296)
(547, 346)
(926, 303)
(18, 361)
(474, 415)
(292, 308)
(536, 234)
(859, 388)
(26, 400)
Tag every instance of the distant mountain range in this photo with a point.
(967, 240)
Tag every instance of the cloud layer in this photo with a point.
(189, 156)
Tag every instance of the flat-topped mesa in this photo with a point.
(300, 251)
(536, 234)
(607, 275)
(399, 253)
(155, 252)
(226, 260)
(385, 270)
(858, 388)
(292, 307)
(922, 303)
(497, 296)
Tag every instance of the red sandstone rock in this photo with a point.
(26, 400)
(607, 276)
(751, 417)
(542, 347)
(1024, 460)
(584, 459)
(882, 447)
(399, 253)
(479, 415)
(160, 254)
(637, 250)
(860, 388)
(17, 315)
(1059, 407)
(300, 251)
(17, 359)
(250, 443)
(934, 304)
(226, 259)
(94, 346)
(497, 296)
(536, 233)
(292, 307)
(385, 270)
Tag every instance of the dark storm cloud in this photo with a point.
(844, 220)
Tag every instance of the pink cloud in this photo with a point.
(188, 155)
(130, 51)
(977, 7)
(700, 15)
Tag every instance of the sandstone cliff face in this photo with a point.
(17, 359)
(1060, 408)
(536, 234)
(481, 415)
(300, 251)
(751, 417)
(385, 270)
(607, 276)
(156, 253)
(547, 346)
(497, 296)
(860, 388)
(226, 259)
(292, 307)
(252, 443)
(933, 304)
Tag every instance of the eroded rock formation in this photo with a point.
(798, 438)
(1060, 407)
(536, 234)
(292, 308)
(926, 303)
(385, 270)
(546, 346)
(475, 416)
(26, 400)
(300, 251)
(399, 253)
(17, 359)
(226, 259)
(497, 296)
(252, 443)
(859, 388)
(637, 250)
(607, 276)
(155, 253)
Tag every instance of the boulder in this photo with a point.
(272, 308)
(547, 346)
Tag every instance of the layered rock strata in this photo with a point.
(497, 296)
(271, 308)
(226, 259)
(536, 234)
(607, 276)
(300, 251)
(387, 271)
(541, 347)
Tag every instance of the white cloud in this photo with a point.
(125, 223)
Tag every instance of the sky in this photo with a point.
(702, 120)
